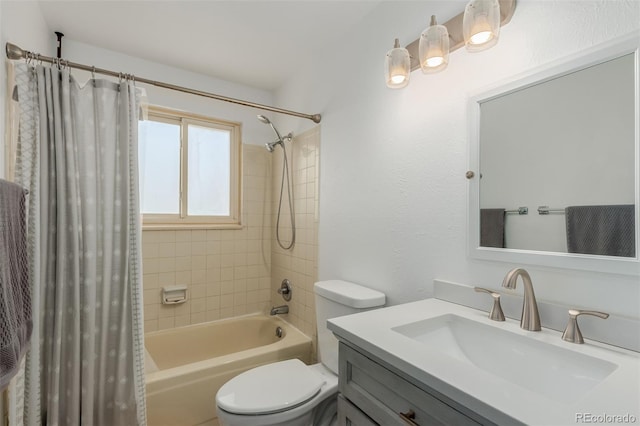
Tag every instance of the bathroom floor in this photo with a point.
(213, 422)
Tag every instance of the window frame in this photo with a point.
(153, 221)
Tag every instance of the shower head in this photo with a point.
(272, 145)
(265, 120)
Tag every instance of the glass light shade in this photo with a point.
(397, 67)
(434, 48)
(481, 24)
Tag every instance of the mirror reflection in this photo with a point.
(557, 163)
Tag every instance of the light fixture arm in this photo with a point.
(454, 26)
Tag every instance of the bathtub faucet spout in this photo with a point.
(284, 309)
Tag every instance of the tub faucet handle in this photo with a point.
(496, 313)
(285, 290)
(572, 333)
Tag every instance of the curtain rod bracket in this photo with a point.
(59, 35)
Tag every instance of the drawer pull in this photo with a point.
(409, 417)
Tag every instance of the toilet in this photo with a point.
(290, 392)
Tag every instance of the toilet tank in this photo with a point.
(336, 298)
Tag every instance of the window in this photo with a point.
(189, 170)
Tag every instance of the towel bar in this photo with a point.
(546, 210)
(520, 210)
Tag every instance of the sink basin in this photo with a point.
(563, 375)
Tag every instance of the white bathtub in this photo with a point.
(186, 366)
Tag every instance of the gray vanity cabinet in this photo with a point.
(371, 394)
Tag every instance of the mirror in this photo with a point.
(555, 158)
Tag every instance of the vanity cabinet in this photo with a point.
(371, 394)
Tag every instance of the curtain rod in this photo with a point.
(14, 52)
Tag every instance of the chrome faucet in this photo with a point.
(530, 319)
(284, 309)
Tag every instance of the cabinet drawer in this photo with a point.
(350, 415)
(383, 395)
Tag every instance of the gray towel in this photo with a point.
(603, 230)
(15, 294)
(492, 228)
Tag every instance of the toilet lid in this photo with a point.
(270, 388)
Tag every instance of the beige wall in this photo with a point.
(227, 272)
(300, 264)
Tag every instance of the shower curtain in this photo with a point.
(77, 155)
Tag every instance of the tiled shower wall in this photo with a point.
(299, 265)
(227, 272)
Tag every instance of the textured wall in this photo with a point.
(394, 196)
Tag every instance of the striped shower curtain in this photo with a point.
(77, 155)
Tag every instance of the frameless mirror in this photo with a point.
(555, 156)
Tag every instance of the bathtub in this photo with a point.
(186, 366)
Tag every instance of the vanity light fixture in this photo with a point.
(434, 47)
(397, 67)
(475, 28)
(481, 24)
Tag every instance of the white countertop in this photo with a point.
(490, 396)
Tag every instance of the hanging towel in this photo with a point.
(492, 227)
(15, 294)
(603, 230)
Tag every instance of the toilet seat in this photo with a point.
(289, 384)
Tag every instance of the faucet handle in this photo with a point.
(572, 333)
(285, 290)
(496, 313)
